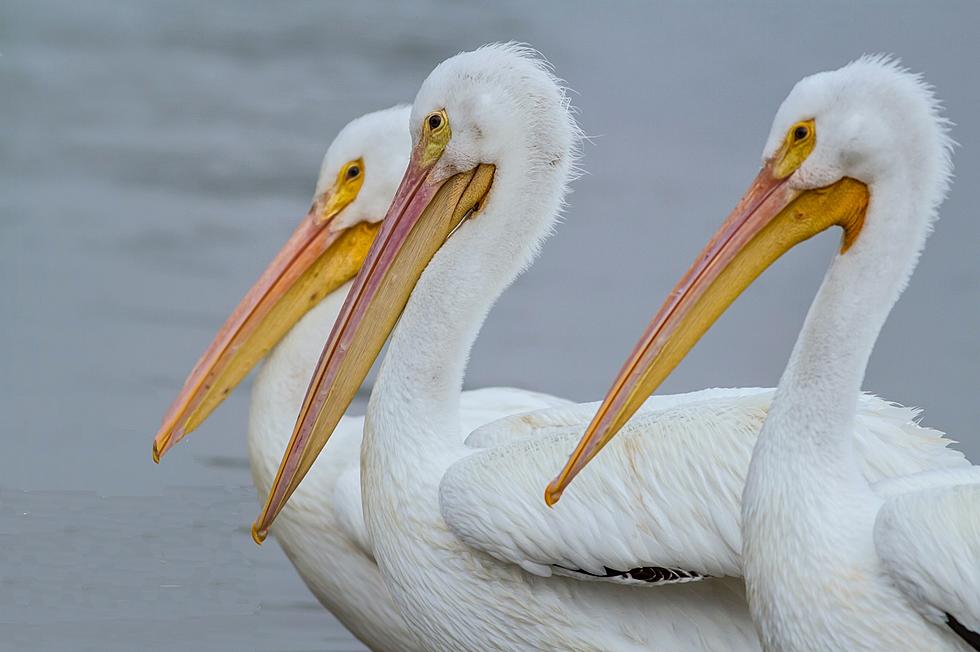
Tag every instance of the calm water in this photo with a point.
(155, 156)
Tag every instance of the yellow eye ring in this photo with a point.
(435, 136)
(350, 178)
(800, 140)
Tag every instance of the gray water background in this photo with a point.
(155, 156)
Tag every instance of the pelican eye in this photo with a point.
(435, 136)
(346, 186)
(799, 142)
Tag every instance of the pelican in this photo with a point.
(471, 556)
(831, 560)
(285, 317)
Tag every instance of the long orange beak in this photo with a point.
(315, 261)
(771, 218)
(423, 215)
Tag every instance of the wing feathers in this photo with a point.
(664, 494)
(928, 540)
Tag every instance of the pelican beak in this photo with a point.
(771, 218)
(423, 215)
(316, 260)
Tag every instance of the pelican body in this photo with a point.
(285, 317)
(832, 560)
(322, 530)
(470, 554)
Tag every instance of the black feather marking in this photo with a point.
(648, 574)
(971, 637)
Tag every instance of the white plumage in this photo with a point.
(470, 554)
(322, 528)
(666, 494)
(322, 531)
(832, 560)
(830, 564)
(929, 542)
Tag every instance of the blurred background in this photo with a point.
(156, 155)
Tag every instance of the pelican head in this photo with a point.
(499, 107)
(493, 148)
(358, 178)
(852, 148)
(872, 121)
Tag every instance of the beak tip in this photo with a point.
(259, 535)
(157, 452)
(552, 494)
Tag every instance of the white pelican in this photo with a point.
(471, 555)
(832, 561)
(286, 315)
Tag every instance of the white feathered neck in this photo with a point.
(497, 94)
(880, 124)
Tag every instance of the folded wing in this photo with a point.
(661, 504)
(927, 535)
